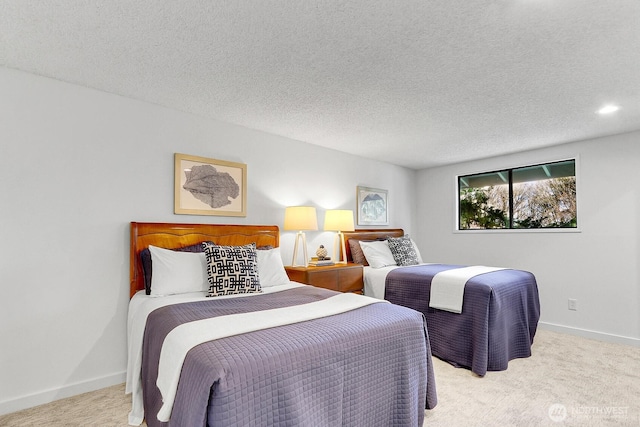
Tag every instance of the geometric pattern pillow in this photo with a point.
(403, 250)
(231, 269)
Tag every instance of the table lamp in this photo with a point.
(300, 218)
(339, 220)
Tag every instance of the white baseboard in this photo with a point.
(48, 396)
(594, 335)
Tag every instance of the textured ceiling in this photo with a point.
(415, 83)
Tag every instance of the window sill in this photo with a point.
(519, 230)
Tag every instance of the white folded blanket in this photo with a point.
(188, 335)
(447, 287)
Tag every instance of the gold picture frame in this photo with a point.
(373, 206)
(206, 186)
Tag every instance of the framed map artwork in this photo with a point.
(372, 206)
(209, 186)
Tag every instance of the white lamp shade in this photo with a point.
(299, 218)
(338, 220)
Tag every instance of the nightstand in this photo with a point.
(338, 277)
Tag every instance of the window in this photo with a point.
(538, 196)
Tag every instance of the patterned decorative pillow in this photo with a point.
(403, 250)
(231, 269)
(356, 252)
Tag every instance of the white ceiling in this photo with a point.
(415, 83)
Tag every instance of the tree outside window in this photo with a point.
(538, 196)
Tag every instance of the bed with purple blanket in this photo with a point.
(498, 321)
(499, 314)
(290, 354)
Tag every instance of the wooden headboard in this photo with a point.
(369, 234)
(172, 236)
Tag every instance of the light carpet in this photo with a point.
(568, 381)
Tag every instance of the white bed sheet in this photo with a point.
(140, 306)
(374, 279)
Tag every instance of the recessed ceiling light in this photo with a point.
(607, 109)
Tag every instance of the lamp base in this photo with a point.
(340, 257)
(300, 236)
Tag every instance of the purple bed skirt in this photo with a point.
(500, 314)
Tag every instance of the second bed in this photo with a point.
(499, 316)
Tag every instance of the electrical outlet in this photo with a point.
(573, 304)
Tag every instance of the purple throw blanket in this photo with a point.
(366, 367)
(500, 313)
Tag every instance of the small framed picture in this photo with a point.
(209, 186)
(372, 206)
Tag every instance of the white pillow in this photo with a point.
(177, 272)
(420, 261)
(377, 253)
(270, 268)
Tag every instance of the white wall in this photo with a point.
(76, 166)
(599, 266)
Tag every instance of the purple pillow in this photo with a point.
(356, 252)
